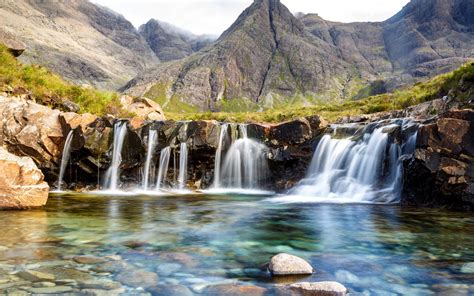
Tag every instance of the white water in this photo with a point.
(218, 159)
(183, 166)
(357, 169)
(65, 158)
(152, 142)
(245, 164)
(113, 173)
(163, 169)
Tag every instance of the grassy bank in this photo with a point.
(49, 89)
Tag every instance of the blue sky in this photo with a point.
(214, 16)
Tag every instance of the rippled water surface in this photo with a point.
(204, 240)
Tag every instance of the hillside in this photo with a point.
(269, 57)
(80, 41)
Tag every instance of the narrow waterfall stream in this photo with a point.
(362, 167)
(152, 143)
(163, 168)
(65, 159)
(245, 165)
(218, 159)
(183, 166)
(113, 173)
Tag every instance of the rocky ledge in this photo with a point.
(441, 173)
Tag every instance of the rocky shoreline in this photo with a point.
(444, 155)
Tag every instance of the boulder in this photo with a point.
(286, 264)
(143, 108)
(21, 183)
(14, 45)
(316, 289)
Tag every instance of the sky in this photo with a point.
(214, 16)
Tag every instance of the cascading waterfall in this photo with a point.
(113, 173)
(65, 158)
(245, 164)
(183, 166)
(163, 169)
(217, 162)
(360, 168)
(152, 143)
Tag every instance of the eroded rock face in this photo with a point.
(442, 170)
(21, 183)
(286, 264)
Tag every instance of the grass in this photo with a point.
(49, 89)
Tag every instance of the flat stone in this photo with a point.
(99, 284)
(63, 273)
(468, 268)
(170, 290)
(35, 276)
(97, 292)
(17, 293)
(43, 284)
(66, 282)
(112, 266)
(286, 264)
(319, 289)
(89, 259)
(51, 290)
(138, 278)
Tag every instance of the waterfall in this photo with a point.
(183, 166)
(217, 162)
(113, 173)
(245, 164)
(163, 169)
(65, 158)
(360, 168)
(152, 142)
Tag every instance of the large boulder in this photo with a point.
(441, 172)
(21, 183)
(143, 108)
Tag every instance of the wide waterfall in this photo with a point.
(183, 166)
(65, 159)
(362, 167)
(245, 165)
(163, 168)
(152, 143)
(218, 159)
(113, 173)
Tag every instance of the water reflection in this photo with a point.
(189, 239)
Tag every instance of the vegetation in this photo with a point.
(49, 89)
(459, 83)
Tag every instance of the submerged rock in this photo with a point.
(170, 290)
(89, 259)
(286, 264)
(315, 289)
(21, 183)
(234, 290)
(35, 276)
(138, 278)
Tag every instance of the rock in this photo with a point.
(35, 276)
(170, 290)
(468, 267)
(182, 258)
(14, 45)
(286, 264)
(138, 278)
(441, 173)
(51, 290)
(43, 284)
(67, 273)
(143, 108)
(97, 292)
(234, 290)
(21, 183)
(112, 266)
(89, 259)
(318, 289)
(99, 284)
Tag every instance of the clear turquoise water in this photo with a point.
(372, 249)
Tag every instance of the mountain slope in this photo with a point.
(171, 43)
(81, 41)
(268, 56)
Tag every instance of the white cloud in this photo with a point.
(214, 16)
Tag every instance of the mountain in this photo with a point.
(171, 43)
(81, 41)
(269, 56)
